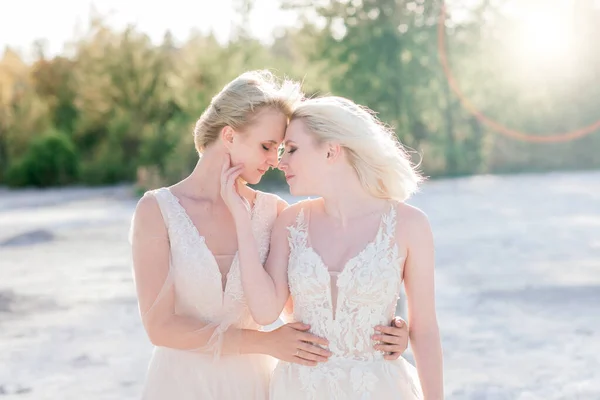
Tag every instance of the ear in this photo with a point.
(334, 150)
(227, 135)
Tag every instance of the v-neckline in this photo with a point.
(370, 243)
(202, 240)
(339, 274)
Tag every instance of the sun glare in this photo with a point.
(545, 33)
(546, 37)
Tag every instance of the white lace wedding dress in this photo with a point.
(344, 308)
(193, 375)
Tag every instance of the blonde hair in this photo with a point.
(373, 150)
(241, 100)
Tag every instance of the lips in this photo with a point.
(262, 171)
(288, 177)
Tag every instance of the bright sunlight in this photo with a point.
(544, 32)
(547, 37)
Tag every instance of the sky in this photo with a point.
(24, 21)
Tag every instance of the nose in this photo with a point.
(272, 160)
(282, 165)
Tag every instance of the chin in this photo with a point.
(302, 191)
(294, 191)
(252, 179)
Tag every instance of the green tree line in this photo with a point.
(116, 107)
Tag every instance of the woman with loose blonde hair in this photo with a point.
(344, 256)
(186, 260)
(382, 165)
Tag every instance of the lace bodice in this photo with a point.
(197, 279)
(367, 290)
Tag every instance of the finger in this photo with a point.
(398, 322)
(230, 185)
(226, 163)
(310, 338)
(391, 356)
(307, 355)
(228, 179)
(388, 348)
(233, 173)
(299, 326)
(233, 170)
(302, 361)
(310, 348)
(391, 330)
(388, 339)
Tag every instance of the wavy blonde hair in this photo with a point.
(381, 162)
(239, 102)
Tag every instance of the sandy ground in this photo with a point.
(518, 289)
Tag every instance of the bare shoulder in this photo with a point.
(412, 221)
(147, 214)
(411, 215)
(288, 215)
(281, 203)
(147, 206)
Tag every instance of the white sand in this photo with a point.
(518, 285)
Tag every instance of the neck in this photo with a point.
(346, 199)
(205, 179)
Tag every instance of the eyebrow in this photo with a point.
(271, 141)
(285, 143)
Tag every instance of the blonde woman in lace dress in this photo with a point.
(344, 256)
(186, 263)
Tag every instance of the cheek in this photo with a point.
(237, 158)
(246, 156)
(312, 163)
(318, 172)
(294, 162)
